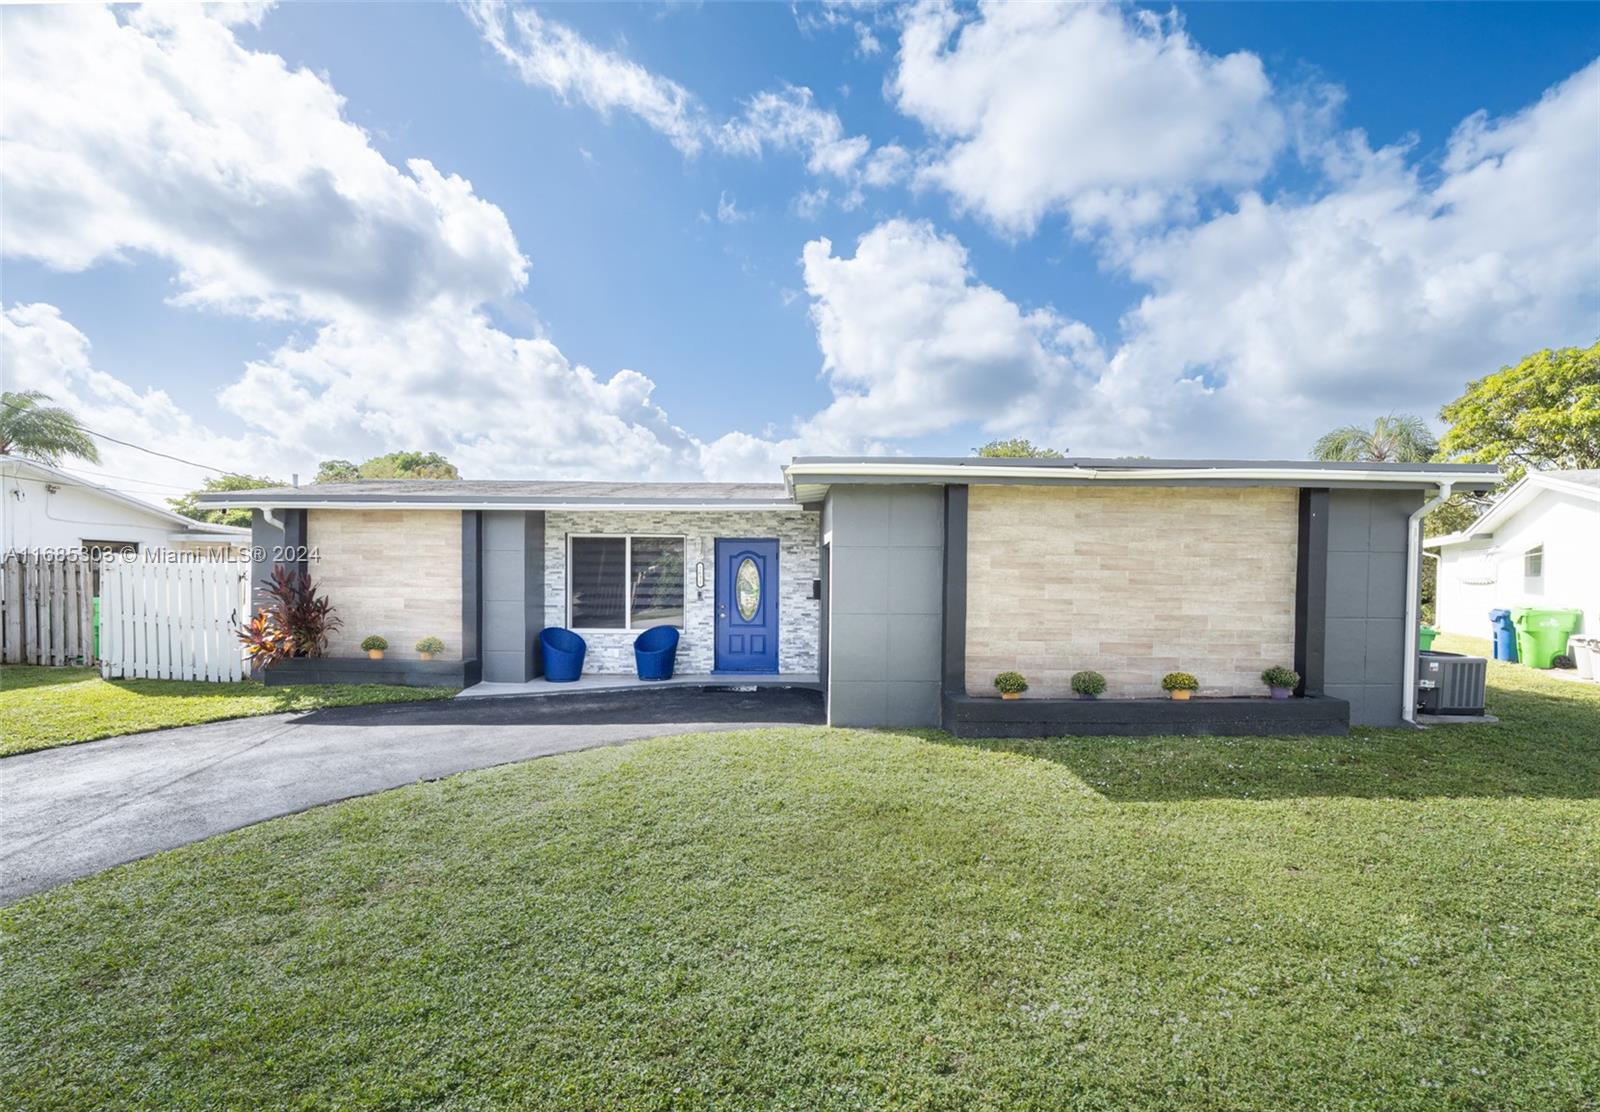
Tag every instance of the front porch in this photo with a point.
(592, 682)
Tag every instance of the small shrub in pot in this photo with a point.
(1088, 685)
(1281, 680)
(1179, 685)
(1011, 685)
(428, 646)
(373, 646)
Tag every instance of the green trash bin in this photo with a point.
(1425, 637)
(1542, 634)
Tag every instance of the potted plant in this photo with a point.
(428, 646)
(1179, 685)
(1011, 685)
(374, 646)
(1281, 680)
(1088, 685)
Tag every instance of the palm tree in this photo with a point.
(46, 433)
(1397, 438)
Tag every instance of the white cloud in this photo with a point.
(552, 55)
(1274, 321)
(40, 350)
(176, 141)
(913, 343)
(1112, 115)
(728, 211)
(173, 140)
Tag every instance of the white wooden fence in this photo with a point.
(177, 620)
(46, 609)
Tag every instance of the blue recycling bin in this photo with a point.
(655, 651)
(563, 654)
(1505, 635)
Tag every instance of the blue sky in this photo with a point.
(1213, 229)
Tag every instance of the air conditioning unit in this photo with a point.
(1449, 683)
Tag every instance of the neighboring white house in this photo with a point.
(46, 509)
(1539, 545)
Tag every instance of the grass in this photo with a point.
(44, 707)
(806, 918)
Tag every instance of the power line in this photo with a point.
(139, 447)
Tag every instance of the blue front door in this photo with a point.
(747, 605)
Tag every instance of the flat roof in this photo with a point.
(509, 494)
(810, 476)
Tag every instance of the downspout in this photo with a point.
(269, 514)
(1408, 697)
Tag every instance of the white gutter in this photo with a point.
(268, 514)
(1408, 694)
(401, 504)
(795, 473)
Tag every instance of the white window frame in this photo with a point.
(1533, 582)
(627, 578)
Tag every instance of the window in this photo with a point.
(1533, 569)
(624, 582)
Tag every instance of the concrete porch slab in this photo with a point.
(593, 682)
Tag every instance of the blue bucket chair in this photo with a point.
(655, 651)
(563, 654)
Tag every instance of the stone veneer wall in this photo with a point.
(1132, 582)
(798, 612)
(396, 573)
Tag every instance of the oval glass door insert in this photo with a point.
(747, 588)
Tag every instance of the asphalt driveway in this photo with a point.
(72, 811)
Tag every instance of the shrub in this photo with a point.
(1088, 683)
(1010, 683)
(1179, 681)
(1279, 676)
(430, 645)
(1563, 661)
(369, 644)
(295, 622)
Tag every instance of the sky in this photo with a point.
(692, 241)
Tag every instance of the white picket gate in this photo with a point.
(173, 620)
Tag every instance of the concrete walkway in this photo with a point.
(72, 811)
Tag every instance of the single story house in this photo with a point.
(51, 509)
(1539, 546)
(903, 585)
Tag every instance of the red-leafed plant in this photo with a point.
(295, 622)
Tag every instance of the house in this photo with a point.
(49, 509)
(904, 584)
(1539, 546)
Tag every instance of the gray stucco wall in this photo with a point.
(886, 611)
(513, 595)
(1365, 637)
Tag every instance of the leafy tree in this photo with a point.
(1018, 448)
(189, 505)
(395, 465)
(1397, 438)
(336, 471)
(46, 433)
(1543, 412)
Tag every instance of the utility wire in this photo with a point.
(140, 447)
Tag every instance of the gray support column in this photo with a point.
(1366, 602)
(513, 595)
(1311, 592)
(472, 594)
(954, 649)
(271, 547)
(886, 595)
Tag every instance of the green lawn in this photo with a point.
(45, 707)
(806, 918)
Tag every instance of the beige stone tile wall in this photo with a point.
(396, 573)
(1132, 582)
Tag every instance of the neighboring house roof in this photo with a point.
(1583, 483)
(187, 527)
(509, 494)
(810, 476)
